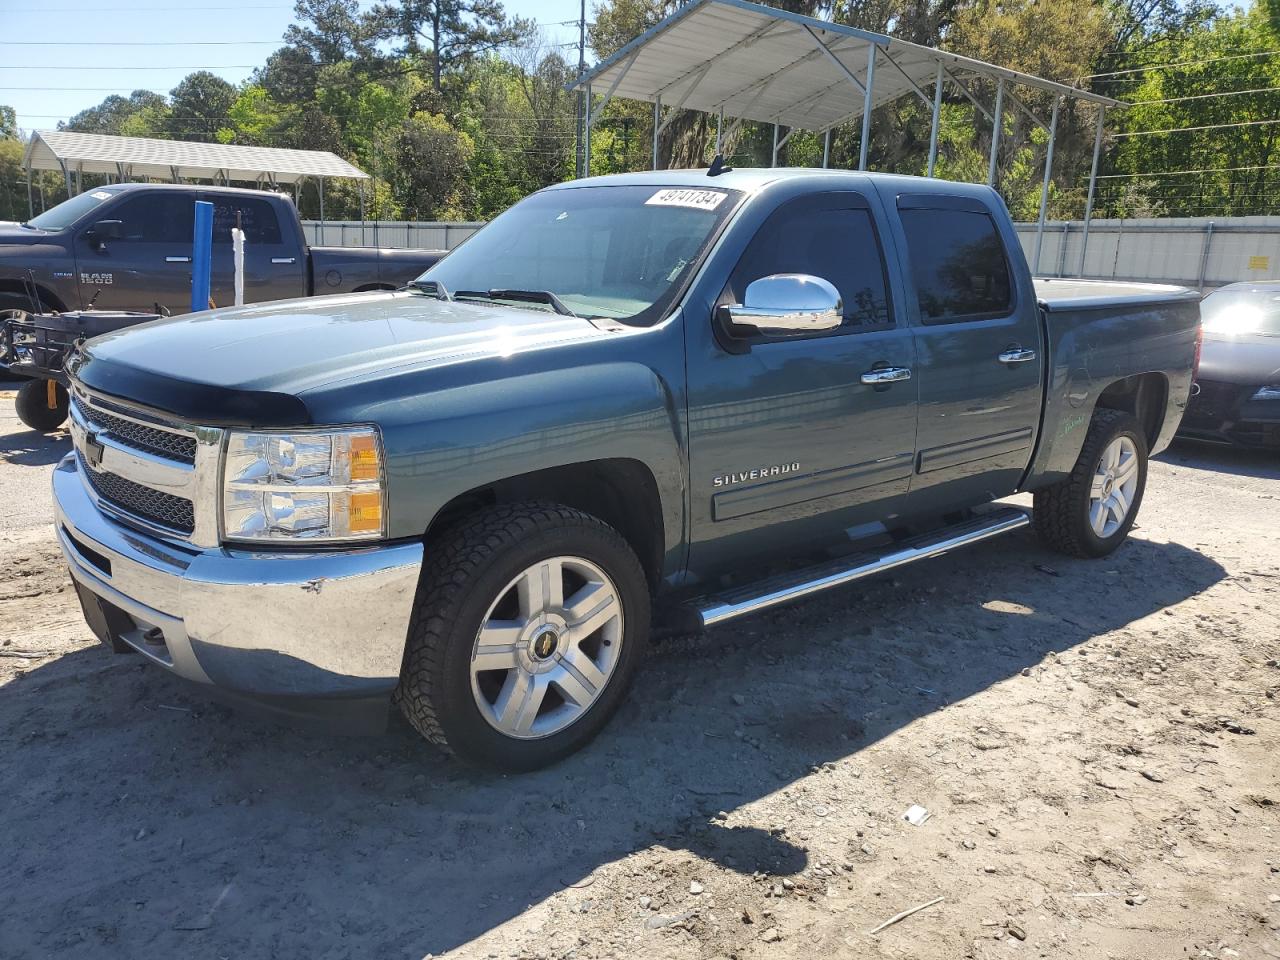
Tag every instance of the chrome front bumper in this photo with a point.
(279, 628)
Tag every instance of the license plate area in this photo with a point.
(108, 622)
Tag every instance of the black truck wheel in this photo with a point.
(34, 407)
(529, 624)
(10, 304)
(1091, 512)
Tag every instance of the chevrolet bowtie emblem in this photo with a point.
(93, 450)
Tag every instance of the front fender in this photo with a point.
(450, 441)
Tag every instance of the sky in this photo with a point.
(61, 56)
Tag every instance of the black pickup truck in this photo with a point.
(128, 247)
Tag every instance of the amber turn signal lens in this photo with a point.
(364, 511)
(364, 457)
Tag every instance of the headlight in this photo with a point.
(309, 485)
(1271, 392)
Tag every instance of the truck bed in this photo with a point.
(1070, 294)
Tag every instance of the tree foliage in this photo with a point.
(457, 109)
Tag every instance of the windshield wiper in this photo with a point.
(526, 296)
(432, 288)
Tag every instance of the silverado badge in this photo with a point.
(756, 473)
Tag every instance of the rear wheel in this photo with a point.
(529, 625)
(42, 404)
(1091, 512)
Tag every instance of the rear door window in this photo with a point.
(258, 219)
(832, 236)
(958, 265)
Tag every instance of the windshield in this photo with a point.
(1235, 311)
(69, 211)
(622, 252)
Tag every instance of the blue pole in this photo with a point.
(201, 256)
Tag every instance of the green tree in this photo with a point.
(8, 123)
(199, 106)
(447, 34)
(113, 113)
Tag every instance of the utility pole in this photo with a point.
(582, 94)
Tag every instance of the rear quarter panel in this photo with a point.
(1093, 342)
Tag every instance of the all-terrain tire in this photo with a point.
(32, 405)
(466, 572)
(1062, 511)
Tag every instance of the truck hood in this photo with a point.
(249, 365)
(1248, 359)
(17, 236)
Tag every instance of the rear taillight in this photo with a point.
(1195, 362)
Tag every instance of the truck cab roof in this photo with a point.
(754, 179)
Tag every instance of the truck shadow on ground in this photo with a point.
(32, 448)
(1219, 458)
(158, 824)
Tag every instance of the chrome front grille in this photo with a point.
(156, 506)
(134, 433)
(148, 470)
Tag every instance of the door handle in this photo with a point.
(282, 259)
(1017, 355)
(886, 375)
(177, 259)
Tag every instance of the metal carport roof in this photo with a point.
(758, 63)
(133, 157)
(746, 61)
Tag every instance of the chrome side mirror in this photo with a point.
(786, 304)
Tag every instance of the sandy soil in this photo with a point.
(1095, 743)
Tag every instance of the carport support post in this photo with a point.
(1044, 188)
(322, 211)
(720, 132)
(775, 146)
(937, 115)
(363, 242)
(66, 175)
(657, 128)
(31, 203)
(586, 137)
(1093, 182)
(866, 107)
(826, 149)
(996, 126)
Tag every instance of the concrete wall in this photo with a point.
(1193, 251)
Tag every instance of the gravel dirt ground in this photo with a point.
(1095, 742)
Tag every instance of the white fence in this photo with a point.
(1193, 251)
(425, 234)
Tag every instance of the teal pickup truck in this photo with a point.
(652, 393)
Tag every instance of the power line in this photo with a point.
(1175, 173)
(1180, 63)
(1211, 126)
(1206, 96)
(137, 43)
(217, 66)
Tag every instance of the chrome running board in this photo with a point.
(784, 588)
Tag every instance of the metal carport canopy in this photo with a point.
(127, 157)
(763, 64)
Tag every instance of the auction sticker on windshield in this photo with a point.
(698, 199)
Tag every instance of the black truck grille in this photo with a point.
(139, 436)
(159, 507)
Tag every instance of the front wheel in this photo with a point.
(528, 627)
(1091, 512)
(42, 404)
